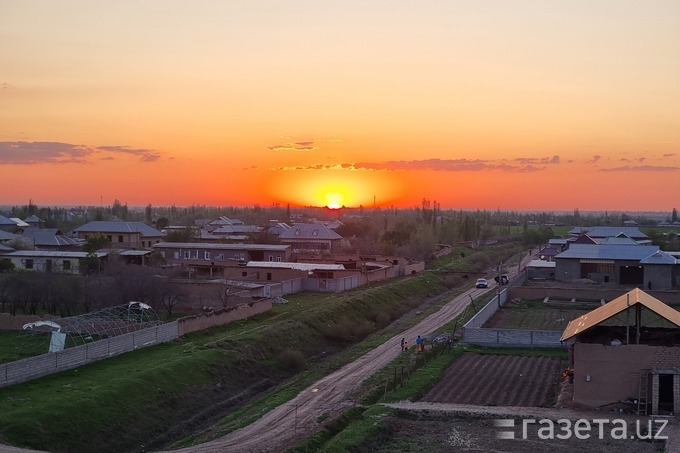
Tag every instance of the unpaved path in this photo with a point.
(282, 427)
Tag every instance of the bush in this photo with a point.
(292, 360)
(348, 330)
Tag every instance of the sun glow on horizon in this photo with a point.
(334, 200)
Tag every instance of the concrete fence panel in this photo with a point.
(512, 338)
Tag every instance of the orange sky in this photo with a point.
(505, 104)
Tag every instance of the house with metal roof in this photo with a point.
(603, 232)
(7, 224)
(128, 235)
(50, 239)
(295, 276)
(643, 266)
(66, 262)
(211, 258)
(625, 355)
(311, 237)
(7, 237)
(278, 228)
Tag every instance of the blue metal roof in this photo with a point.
(608, 252)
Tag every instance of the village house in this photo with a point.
(50, 239)
(644, 266)
(127, 235)
(626, 355)
(212, 258)
(311, 238)
(65, 262)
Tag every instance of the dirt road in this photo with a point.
(297, 419)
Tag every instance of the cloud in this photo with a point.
(641, 168)
(538, 160)
(144, 155)
(4, 86)
(595, 158)
(456, 165)
(669, 155)
(31, 153)
(294, 146)
(521, 165)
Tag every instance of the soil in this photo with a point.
(499, 380)
(429, 428)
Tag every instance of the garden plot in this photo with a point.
(499, 380)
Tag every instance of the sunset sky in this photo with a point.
(477, 104)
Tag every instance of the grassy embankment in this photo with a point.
(170, 391)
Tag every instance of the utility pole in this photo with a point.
(498, 284)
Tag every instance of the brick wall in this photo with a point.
(222, 316)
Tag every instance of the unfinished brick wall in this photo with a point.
(222, 316)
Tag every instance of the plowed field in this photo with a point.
(498, 380)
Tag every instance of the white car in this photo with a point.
(482, 283)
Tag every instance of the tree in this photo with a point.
(674, 216)
(162, 223)
(169, 294)
(92, 263)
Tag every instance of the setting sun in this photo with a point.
(334, 200)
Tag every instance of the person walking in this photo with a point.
(403, 340)
(405, 345)
(419, 344)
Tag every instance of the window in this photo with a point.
(242, 256)
(269, 275)
(278, 259)
(186, 254)
(176, 255)
(66, 265)
(194, 254)
(200, 255)
(110, 238)
(28, 264)
(120, 238)
(271, 257)
(207, 255)
(244, 274)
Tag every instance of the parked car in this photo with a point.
(482, 283)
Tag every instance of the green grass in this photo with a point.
(139, 387)
(120, 403)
